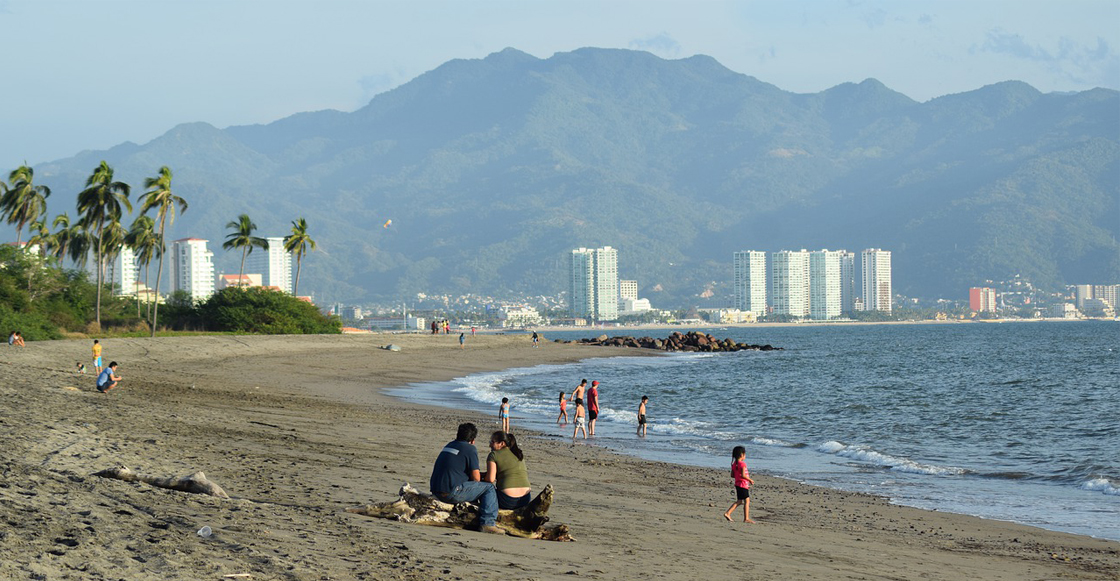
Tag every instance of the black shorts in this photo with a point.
(742, 493)
(592, 414)
(641, 419)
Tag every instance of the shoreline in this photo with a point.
(297, 428)
(683, 328)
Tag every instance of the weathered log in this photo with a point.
(196, 483)
(413, 506)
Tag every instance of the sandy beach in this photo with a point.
(296, 430)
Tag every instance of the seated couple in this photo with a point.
(456, 476)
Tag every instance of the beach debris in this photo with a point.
(196, 483)
(693, 341)
(205, 531)
(391, 347)
(415, 507)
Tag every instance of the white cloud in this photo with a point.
(661, 44)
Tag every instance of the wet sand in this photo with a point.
(295, 430)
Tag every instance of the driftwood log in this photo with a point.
(196, 483)
(413, 506)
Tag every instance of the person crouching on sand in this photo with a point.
(743, 484)
(108, 379)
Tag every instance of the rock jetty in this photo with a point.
(677, 341)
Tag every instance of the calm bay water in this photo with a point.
(1015, 421)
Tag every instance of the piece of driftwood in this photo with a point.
(196, 483)
(413, 506)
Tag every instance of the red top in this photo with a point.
(740, 474)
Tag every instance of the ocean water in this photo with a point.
(1010, 421)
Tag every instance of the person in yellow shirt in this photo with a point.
(96, 356)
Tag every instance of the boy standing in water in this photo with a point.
(642, 416)
(581, 423)
(743, 484)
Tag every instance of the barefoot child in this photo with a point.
(503, 414)
(581, 423)
(642, 416)
(96, 356)
(563, 410)
(743, 484)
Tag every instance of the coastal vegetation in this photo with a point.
(43, 299)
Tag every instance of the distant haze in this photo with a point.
(94, 73)
(493, 169)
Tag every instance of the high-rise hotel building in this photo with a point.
(274, 264)
(593, 290)
(847, 281)
(628, 289)
(875, 267)
(825, 284)
(789, 283)
(750, 281)
(192, 268)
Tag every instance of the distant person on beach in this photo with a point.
(642, 416)
(581, 423)
(563, 410)
(503, 414)
(472, 331)
(592, 406)
(743, 484)
(462, 339)
(536, 340)
(108, 379)
(456, 478)
(96, 356)
(81, 368)
(447, 327)
(433, 327)
(505, 469)
(15, 339)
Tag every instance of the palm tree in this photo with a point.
(80, 242)
(298, 242)
(24, 201)
(143, 241)
(111, 246)
(242, 237)
(60, 240)
(159, 196)
(101, 202)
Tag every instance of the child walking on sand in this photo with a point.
(743, 484)
(563, 410)
(581, 421)
(503, 414)
(642, 416)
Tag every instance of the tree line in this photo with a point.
(99, 228)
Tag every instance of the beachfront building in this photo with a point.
(519, 316)
(274, 263)
(627, 289)
(192, 268)
(121, 273)
(825, 284)
(789, 283)
(593, 284)
(238, 280)
(1109, 293)
(750, 281)
(875, 272)
(982, 299)
(847, 282)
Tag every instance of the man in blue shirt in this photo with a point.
(456, 478)
(108, 378)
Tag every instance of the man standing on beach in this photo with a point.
(592, 407)
(456, 478)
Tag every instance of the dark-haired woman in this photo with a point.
(505, 468)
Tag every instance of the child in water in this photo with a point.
(743, 484)
(503, 414)
(581, 421)
(563, 410)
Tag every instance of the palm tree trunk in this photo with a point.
(159, 273)
(244, 253)
(148, 286)
(299, 265)
(100, 272)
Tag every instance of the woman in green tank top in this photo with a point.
(505, 468)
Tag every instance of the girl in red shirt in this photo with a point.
(743, 484)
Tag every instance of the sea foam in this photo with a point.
(865, 454)
(1102, 485)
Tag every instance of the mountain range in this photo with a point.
(492, 170)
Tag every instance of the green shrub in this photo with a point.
(264, 311)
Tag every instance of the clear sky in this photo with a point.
(90, 74)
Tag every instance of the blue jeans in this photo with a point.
(471, 491)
